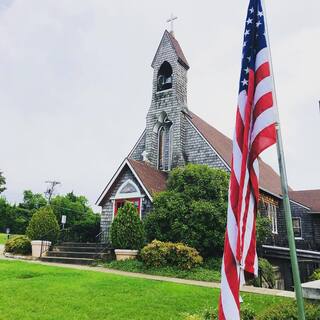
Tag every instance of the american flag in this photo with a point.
(254, 132)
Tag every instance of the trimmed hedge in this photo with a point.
(18, 245)
(43, 225)
(158, 253)
(127, 231)
(288, 311)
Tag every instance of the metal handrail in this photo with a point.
(41, 252)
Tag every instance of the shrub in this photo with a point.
(19, 245)
(43, 225)
(157, 254)
(192, 210)
(246, 313)
(288, 311)
(266, 274)
(127, 230)
(86, 229)
(315, 275)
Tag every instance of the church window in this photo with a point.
(272, 214)
(161, 141)
(297, 230)
(128, 188)
(164, 79)
(127, 192)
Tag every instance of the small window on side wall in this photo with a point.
(297, 230)
(272, 214)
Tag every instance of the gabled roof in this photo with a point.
(150, 179)
(176, 46)
(309, 198)
(154, 180)
(269, 179)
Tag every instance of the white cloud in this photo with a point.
(75, 83)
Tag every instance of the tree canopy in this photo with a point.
(2, 182)
(192, 210)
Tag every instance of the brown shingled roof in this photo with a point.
(181, 57)
(269, 179)
(309, 198)
(154, 180)
(176, 46)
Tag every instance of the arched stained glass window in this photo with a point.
(161, 140)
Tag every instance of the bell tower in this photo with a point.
(166, 115)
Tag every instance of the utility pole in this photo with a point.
(50, 190)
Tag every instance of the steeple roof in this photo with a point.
(177, 48)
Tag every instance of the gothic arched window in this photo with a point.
(161, 142)
(164, 79)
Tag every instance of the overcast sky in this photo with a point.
(75, 83)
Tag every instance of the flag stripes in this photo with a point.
(254, 132)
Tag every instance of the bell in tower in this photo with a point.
(164, 77)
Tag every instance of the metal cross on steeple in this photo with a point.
(170, 20)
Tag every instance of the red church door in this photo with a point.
(119, 203)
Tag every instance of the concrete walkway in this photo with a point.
(250, 289)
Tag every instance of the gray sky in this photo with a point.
(75, 83)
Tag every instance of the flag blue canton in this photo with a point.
(253, 41)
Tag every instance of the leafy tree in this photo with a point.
(32, 201)
(76, 208)
(193, 210)
(43, 225)
(2, 182)
(127, 230)
(263, 229)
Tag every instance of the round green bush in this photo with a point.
(266, 275)
(158, 253)
(43, 225)
(288, 311)
(18, 245)
(127, 231)
(315, 275)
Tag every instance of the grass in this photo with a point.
(4, 237)
(33, 291)
(209, 272)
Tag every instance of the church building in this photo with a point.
(175, 136)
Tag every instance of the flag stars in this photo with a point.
(244, 43)
(251, 10)
(246, 33)
(249, 59)
(249, 21)
(258, 24)
(246, 70)
(244, 82)
(260, 14)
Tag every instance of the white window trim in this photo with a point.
(163, 143)
(273, 216)
(298, 238)
(120, 195)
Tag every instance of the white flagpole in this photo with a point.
(284, 186)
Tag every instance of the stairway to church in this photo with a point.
(77, 253)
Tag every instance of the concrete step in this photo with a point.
(82, 261)
(79, 244)
(79, 249)
(90, 255)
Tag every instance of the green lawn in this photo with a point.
(3, 238)
(33, 291)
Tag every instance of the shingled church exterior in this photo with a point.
(174, 136)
